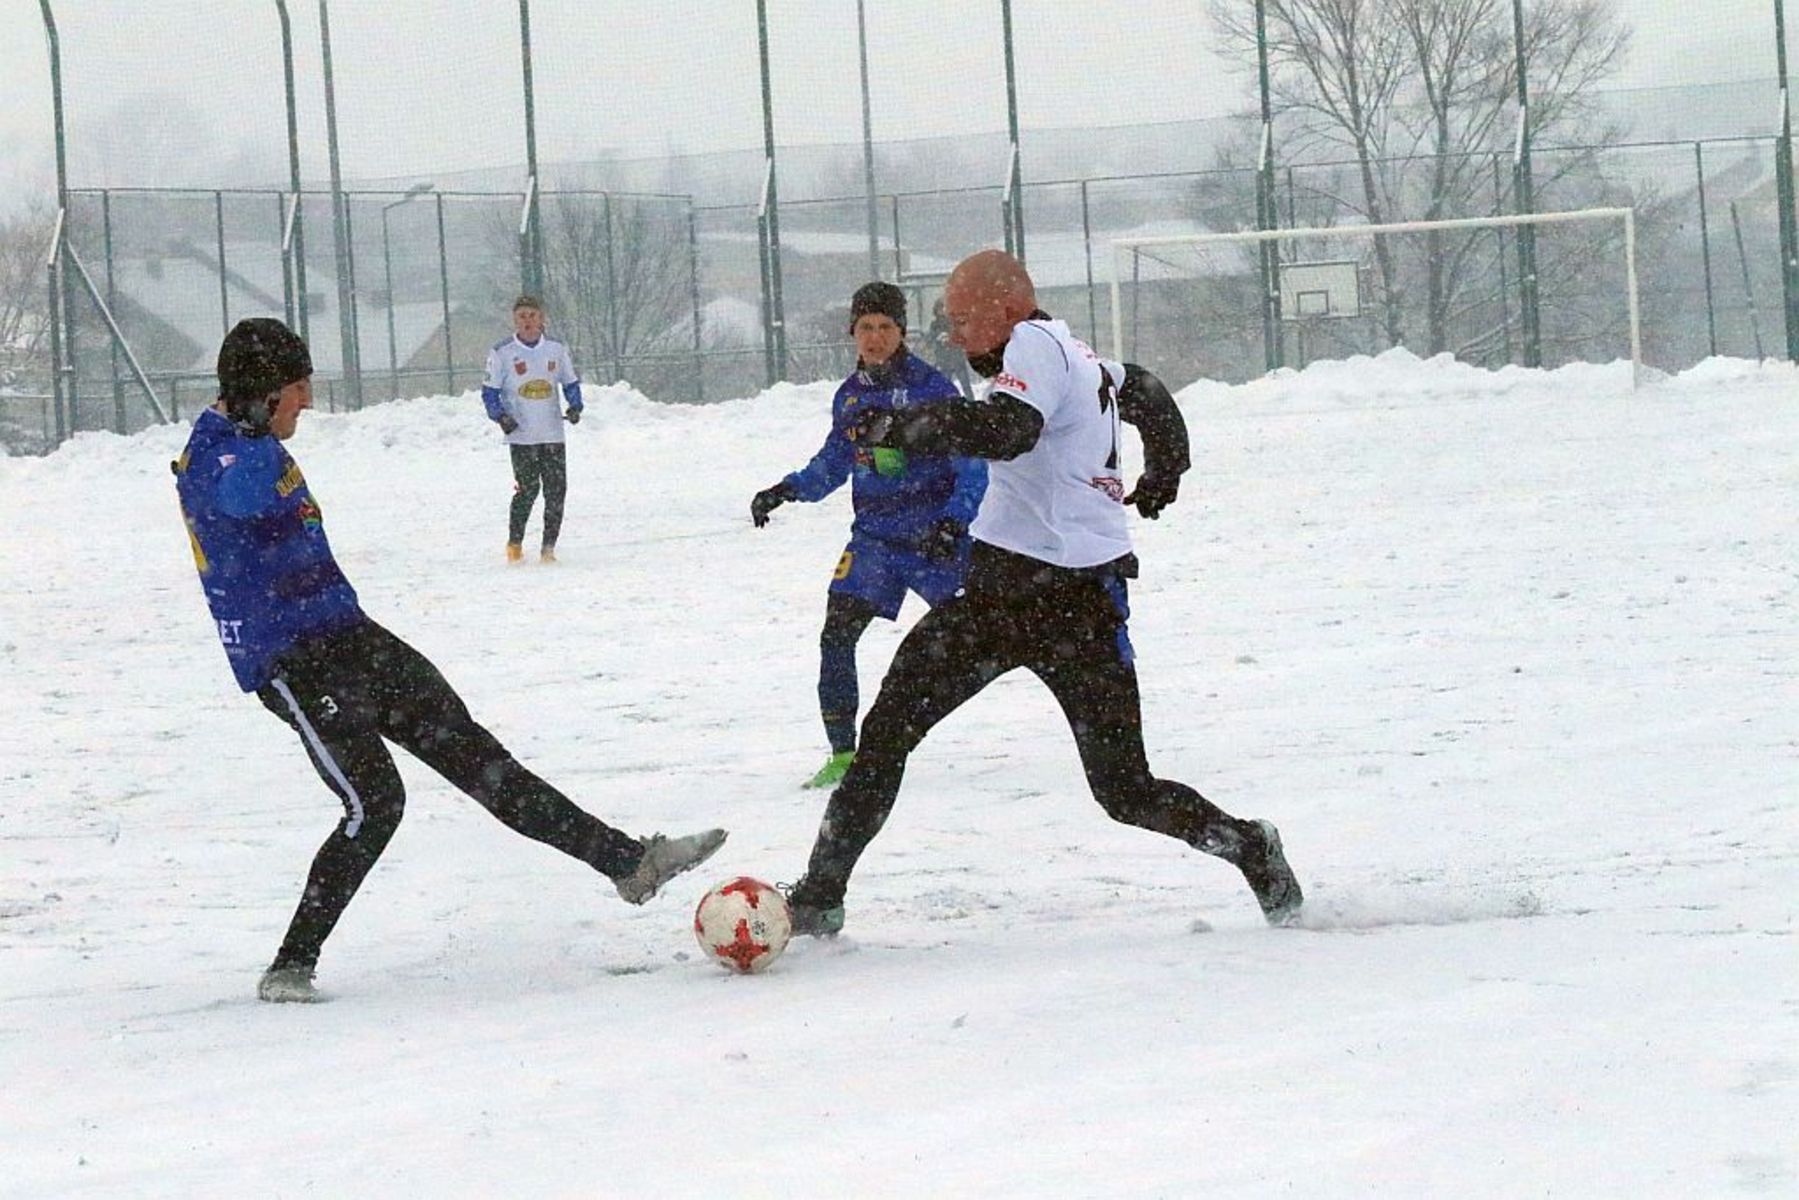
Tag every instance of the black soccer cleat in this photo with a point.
(812, 916)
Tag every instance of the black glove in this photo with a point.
(872, 427)
(769, 499)
(1154, 493)
(508, 423)
(943, 540)
(572, 416)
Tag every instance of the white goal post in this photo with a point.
(1122, 246)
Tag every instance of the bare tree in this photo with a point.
(619, 275)
(24, 295)
(1388, 83)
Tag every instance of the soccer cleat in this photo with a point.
(663, 859)
(810, 918)
(1265, 866)
(547, 554)
(287, 985)
(514, 552)
(831, 774)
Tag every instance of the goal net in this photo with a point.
(1231, 305)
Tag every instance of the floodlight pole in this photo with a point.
(1526, 204)
(775, 331)
(868, 146)
(1783, 180)
(533, 246)
(62, 338)
(1015, 184)
(297, 230)
(351, 354)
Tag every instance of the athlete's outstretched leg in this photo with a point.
(846, 617)
(1096, 686)
(952, 653)
(422, 712)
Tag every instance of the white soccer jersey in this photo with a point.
(1060, 503)
(530, 380)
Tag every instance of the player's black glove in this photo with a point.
(508, 423)
(572, 416)
(769, 499)
(1154, 493)
(943, 539)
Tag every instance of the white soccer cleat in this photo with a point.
(663, 859)
(288, 985)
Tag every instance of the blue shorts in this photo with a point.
(881, 573)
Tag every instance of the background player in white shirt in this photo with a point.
(1046, 585)
(528, 378)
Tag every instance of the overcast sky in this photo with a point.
(160, 92)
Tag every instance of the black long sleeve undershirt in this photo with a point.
(1146, 403)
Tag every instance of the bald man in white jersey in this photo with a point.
(1046, 587)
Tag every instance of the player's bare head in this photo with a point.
(993, 277)
(987, 294)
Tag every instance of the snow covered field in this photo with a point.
(1512, 659)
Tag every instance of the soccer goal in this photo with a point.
(1330, 288)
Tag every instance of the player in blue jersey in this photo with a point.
(529, 379)
(910, 530)
(296, 635)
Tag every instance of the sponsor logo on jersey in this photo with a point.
(1111, 485)
(535, 389)
(552, 367)
(1011, 383)
(310, 516)
(290, 480)
(519, 367)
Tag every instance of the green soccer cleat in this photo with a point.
(831, 774)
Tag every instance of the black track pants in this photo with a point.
(345, 693)
(1068, 628)
(534, 467)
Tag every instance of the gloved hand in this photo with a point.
(943, 540)
(767, 500)
(572, 416)
(1154, 493)
(870, 428)
(508, 423)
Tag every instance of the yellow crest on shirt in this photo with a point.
(535, 389)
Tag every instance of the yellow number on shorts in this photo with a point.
(843, 566)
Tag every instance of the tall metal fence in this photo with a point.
(702, 277)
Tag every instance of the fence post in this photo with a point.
(613, 333)
(1526, 236)
(1087, 244)
(1705, 250)
(1015, 184)
(1783, 181)
(534, 246)
(218, 214)
(1755, 324)
(693, 279)
(1267, 206)
(443, 283)
(112, 302)
(293, 175)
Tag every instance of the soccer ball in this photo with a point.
(743, 924)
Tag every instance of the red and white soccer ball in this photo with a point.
(743, 924)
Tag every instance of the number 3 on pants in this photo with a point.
(843, 566)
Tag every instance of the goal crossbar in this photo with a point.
(1311, 233)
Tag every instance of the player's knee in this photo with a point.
(373, 821)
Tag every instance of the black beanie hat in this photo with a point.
(258, 358)
(879, 297)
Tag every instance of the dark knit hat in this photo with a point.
(879, 297)
(258, 358)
